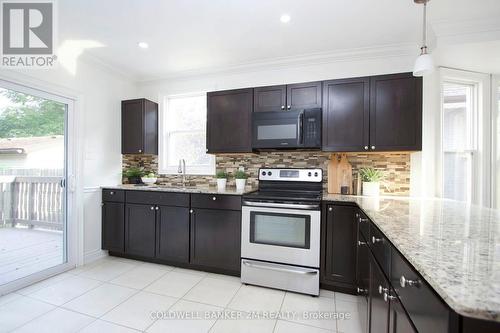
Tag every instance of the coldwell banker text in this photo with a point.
(28, 34)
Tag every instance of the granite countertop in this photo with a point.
(454, 246)
(187, 189)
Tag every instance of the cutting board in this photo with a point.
(338, 168)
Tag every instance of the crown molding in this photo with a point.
(95, 61)
(466, 31)
(311, 59)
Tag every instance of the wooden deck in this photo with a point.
(26, 251)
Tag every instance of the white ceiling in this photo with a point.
(189, 35)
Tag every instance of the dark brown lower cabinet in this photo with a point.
(399, 322)
(379, 317)
(216, 238)
(113, 226)
(140, 230)
(172, 233)
(340, 235)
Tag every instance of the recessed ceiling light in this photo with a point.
(285, 18)
(143, 45)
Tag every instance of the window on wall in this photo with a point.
(183, 135)
(459, 144)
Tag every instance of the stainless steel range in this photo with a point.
(280, 235)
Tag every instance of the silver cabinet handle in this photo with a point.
(111, 193)
(152, 207)
(388, 297)
(382, 289)
(288, 107)
(361, 243)
(191, 211)
(157, 208)
(377, 240)
(214, 198)
(282, 107)
(279, 269)
(366, 147)
(330, 209)
(373, 147)
(361, 290)
(404, 282)
(362, 220)
(140, 150)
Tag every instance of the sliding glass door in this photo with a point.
(33, 191)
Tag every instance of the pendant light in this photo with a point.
(424, 63)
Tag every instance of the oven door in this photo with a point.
(290, 236)
(273, 130)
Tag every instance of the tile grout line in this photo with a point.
(226, 306)
(178, 300)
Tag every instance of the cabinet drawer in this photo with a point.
(426, 310)
(113, 195)
(158, 198)
(381, 249)
(364, 224)
(216, 201)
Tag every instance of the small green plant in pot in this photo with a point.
(241, 179)
(221, 180)
(134, 175)
(371, 181)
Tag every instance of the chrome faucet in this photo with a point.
(182, 170)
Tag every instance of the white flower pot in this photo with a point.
(221, 184)
(371, 189)
(240, 184)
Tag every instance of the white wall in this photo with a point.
(99, 91)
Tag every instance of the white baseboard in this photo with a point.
(94, 255)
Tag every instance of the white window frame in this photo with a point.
(481, 154)
(495, 148)
(165, 137)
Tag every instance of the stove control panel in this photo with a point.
(292, 175)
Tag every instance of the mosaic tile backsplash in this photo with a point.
(395, 166)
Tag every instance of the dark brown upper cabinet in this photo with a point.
(395, 112)
(271, 98)
(378, 113)
(288, 97)
(229, 117)
(139, 127)
(346, 114)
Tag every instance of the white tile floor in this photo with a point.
(119, 295)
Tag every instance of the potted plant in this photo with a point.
(134, 174)
(241, 179)
(371, 181)
(221, 180)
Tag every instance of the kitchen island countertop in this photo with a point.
(453, 245)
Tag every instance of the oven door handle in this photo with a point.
(279, 205)
(280, 269)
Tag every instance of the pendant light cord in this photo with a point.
(424, 34)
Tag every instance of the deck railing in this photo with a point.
(31, 201)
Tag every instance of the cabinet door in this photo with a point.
(113, 226)
(132, 127)
(172, 232)
(216, 238)
(150, 128)
(399, 322)
(346, 115)
(271, 98)
(140, 229)
(362, 265)
(229, 121)
(303, 95)
(379, 314)
(396, 112)
(341, 238)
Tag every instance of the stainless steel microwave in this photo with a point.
(287, 129)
